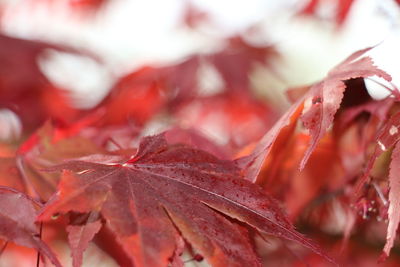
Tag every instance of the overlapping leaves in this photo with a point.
(169, 190)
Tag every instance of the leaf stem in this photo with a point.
(38, 252)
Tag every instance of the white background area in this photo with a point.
(127, 34)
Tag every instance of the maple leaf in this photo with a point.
(17, 223)
(356, 127)
(236, 61)
(24, 89)
(143, 93)
(10, 175)
(168, 187)
(47, 146)
(378, 109)
(394, 201)
(387, 136)
(137, 96)
(229, 115)
(326, 96)
(195, 139)
(79, 236)
(318, 106)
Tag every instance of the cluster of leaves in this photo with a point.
(146, 200)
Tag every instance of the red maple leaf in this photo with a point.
(317, 107)
(24, 89)
(238, 59)
(169, 190)
(142, 94)
(236, 116)
(17, 222)
(387, 138)
(394, 201)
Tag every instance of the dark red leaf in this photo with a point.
(167, 186)
(386, 138)
(326, 96)
(47, 146)
(394, 201)
(251, 164)
(318, 106)
(235, 119)
(23, 87)
(136, 97)
(195, 139)
(17, 222)
(238, 59)
(148, 91)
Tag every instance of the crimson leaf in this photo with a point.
(394, 201)
(17, 222)
(318, 106)
(168, 187)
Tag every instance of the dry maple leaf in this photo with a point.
(17, 222)
(169, 190)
